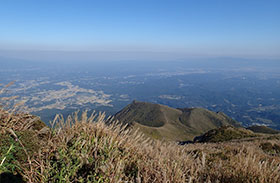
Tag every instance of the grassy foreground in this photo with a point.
(87, 150)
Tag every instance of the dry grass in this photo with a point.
(85, 149)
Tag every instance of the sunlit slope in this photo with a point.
(163, 122)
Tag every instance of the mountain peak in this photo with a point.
(163, 122)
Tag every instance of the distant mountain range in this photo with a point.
(163, 122)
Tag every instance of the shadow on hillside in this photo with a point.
(10, 178)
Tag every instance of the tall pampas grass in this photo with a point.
(94, 148)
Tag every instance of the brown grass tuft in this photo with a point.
(82, 148)
(87, 150)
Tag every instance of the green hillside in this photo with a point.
(225, 133)
(263, 129)
(163, 122)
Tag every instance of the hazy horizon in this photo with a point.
(47, 55)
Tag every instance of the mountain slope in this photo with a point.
(163, 122)
(225, 133)
(263, 129)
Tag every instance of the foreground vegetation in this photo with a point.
(87, 150)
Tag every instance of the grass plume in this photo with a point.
(83, 148)
(87, 150)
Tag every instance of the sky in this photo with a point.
(140, 28)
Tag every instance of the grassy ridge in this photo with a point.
(263, 129)
(225, 133)
(166, 123)
(86, 150)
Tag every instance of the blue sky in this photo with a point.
(248, 28)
